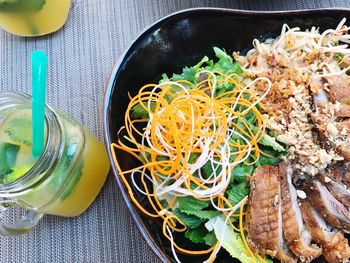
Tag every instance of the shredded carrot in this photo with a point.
(184, 125)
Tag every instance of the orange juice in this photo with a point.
(93, 176)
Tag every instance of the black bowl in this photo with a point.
(170, 44)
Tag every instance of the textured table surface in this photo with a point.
(81, 57)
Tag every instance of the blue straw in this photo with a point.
(39, 74)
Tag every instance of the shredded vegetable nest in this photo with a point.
(188, 128)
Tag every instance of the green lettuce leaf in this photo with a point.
(270, 141)
(232, 242)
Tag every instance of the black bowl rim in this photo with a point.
(123, 57)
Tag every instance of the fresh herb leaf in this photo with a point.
(267, 140)
(15, 174)
(21, 5)
(17, 129)
(164, 78)
(239, 171)
(237, 192)
(189, 220)
(189, 203)
(188, 74)
(338, 57)
(8, 156)
(209, 167)
(206, 214)
(139, 112)
(225, 63)
(210, 239)
(4, 173)
(270, 157)
(75, 178)
(197, 235)
(200, 63)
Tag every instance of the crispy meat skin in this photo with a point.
(344, 111)
(338, 250)
(293, 227)
(339, 172)
(336, 189)
(321, 121)
(334, 212)
(264, 222)
(335, 247)
(339, 88)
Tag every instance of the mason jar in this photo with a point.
(63, 181)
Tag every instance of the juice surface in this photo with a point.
(39, 18)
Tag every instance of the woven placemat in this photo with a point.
(81, 57)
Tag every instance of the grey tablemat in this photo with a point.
(81, 57)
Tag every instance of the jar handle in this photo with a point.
(23, 226)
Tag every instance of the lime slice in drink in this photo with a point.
(11, 177)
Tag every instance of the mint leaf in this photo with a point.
(19, 129)
(189, 203)
(8, 155)
(189, 220)
(4, 173)
(241, 170)
(196, 235)
(237, 192)
(75, 178)
(208, 214)
(272, 159)
(139, 112)
(207, 169)
(210, 239)
(21, 5)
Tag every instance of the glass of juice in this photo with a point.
(33, 17)
(63, 181)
